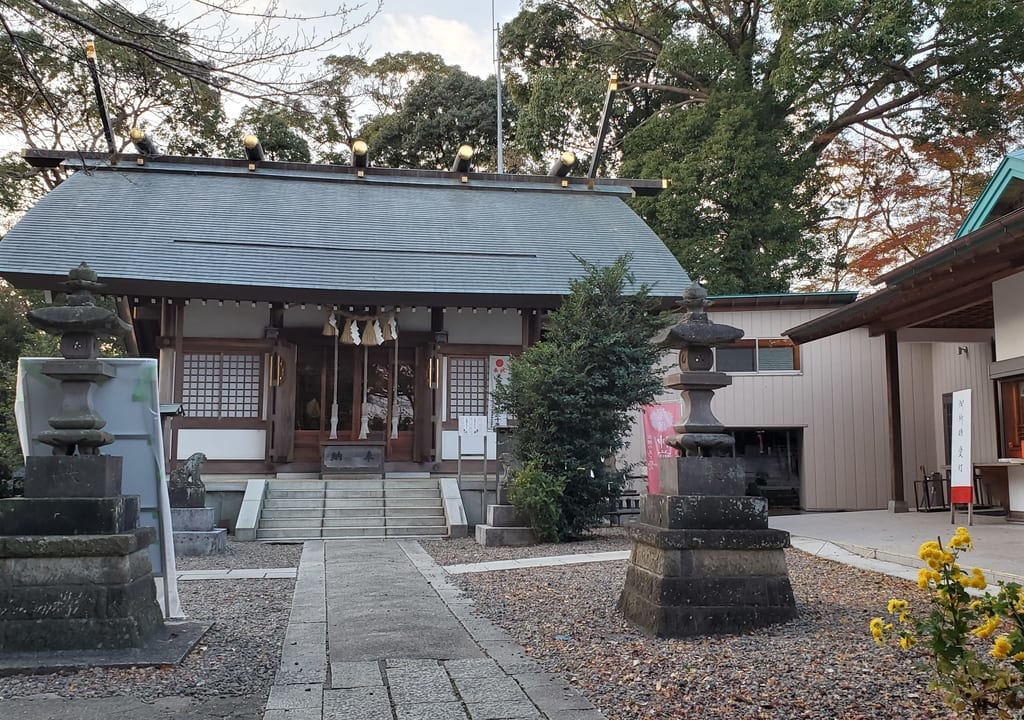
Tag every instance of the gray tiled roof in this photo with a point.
(217, 226)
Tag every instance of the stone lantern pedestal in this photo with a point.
(703, 559)
(75, 572)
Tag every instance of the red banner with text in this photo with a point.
(659, 422)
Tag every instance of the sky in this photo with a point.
(457, 30)
(460, 31)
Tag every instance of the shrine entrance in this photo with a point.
(387, 381)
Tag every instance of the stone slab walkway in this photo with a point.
(377, 633)
(546, 561)
(240, 574)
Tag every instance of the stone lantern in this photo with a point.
(703, 559)
(75, 572)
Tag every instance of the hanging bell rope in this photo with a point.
(350, 334)
(373, 335)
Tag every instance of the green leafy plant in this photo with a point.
(536, 494)
(573, 393)
(975, 673)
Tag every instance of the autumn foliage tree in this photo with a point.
(894, 199)
(740, 103)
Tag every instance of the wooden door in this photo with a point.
(282, 402)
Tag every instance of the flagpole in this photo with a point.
(497, 75)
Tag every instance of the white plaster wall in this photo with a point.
(1008, 308)
(296, 316)
(233, 444)
(409, 319)
(482, 328)
(450, 446)
(227, 320)
(413, 320)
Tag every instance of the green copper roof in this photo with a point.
(1001, 195)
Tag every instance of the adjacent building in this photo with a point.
(952, 320)
(806, 418)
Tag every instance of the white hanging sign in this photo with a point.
(961, 475)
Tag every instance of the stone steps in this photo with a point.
(352, 507)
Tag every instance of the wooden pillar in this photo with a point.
(423, 407)
(897, 502)
(436, 397)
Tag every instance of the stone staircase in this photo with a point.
(352, 507)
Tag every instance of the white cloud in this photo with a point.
(456, 41)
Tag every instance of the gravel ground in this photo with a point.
(246, 555)
(238, 658)
(823, 665)
(466, 550)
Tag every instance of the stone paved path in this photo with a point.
(377, 633)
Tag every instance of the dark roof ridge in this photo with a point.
(171, 163)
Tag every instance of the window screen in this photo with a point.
(220, 385)
(467, 386)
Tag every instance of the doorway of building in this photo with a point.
(771, 464)
(387, 384)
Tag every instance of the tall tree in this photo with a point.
(281, 130)
(751, 94)
(165, 67)
(440, 112)
(47, 100)
(17, 337)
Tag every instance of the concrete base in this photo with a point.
(706, 565)
(898, 506)
(504, 526)
(200, 543)
(490, 536)
(194, 534)
(454, 510)
(167, 646)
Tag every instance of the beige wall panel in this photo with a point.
(838, 399)
(953, 370)
(917, 418)
(481, 327)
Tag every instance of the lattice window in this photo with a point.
(467, 386)
(221, 385)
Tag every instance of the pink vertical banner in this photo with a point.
(659, 422)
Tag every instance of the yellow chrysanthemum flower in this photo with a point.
(877, 628)
(906, 642)
(1018, 656)
(1001, 647)
(927, 549)
(976, 580)
(965, 538)
(988, 627)
(896, 606)
(923, 576)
